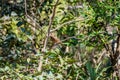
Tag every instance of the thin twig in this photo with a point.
(30, 20)
(40, 64)
(69, 22)
(68, 38)
(101, 56)
(50, 23)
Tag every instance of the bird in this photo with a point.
(54, 39)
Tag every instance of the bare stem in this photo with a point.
(50, 23)
(69, 22)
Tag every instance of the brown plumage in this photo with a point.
(54, 39)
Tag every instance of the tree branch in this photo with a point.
(69, 22)
(50, 23)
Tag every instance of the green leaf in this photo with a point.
(91, 71)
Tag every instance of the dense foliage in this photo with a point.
(59, 39)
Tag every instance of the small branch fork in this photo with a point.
(50, 23)
(47, 36)
(66, 23)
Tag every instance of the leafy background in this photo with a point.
(84, 27)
